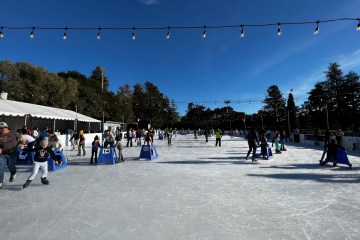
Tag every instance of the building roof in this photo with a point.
(14, 108)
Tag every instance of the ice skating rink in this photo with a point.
(193, 191)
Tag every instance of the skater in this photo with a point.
(332, 148)
(147, 140)
(354, 142)
(9, 141)
(218, 137)
(42, 154)
(282, 140)
(81, 143)
(119, 147)
(327, 137)
(129, 137)
(74, 139)
(109, 139)
(252, 142)
(169, 136)
(138, 137)
(263, 145)
(55, 143)
(338, 136)
(277, 143)
(206, 135)
(94, 149)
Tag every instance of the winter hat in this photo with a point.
(3, 125)
(44, 142)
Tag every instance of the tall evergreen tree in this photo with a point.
(274, 106)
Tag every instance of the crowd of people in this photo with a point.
(44, 142)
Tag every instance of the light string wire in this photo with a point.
(242, 26)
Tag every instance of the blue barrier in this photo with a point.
(340, 155)
(25, 157)
(148, 152)
(59, 156)
(268, 153)
(108, 156)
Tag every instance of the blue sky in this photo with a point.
(188, 68)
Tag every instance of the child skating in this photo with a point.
(42, 154)
(95, 145)
(277, 143)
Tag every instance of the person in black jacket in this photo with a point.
(42, 154)
(252, 142)
(332, 148)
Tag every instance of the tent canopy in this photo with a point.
(13, 108)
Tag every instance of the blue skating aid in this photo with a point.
(148, 152)
(25, 157)
(108, 156)
(161, 137)
(269, 153)
(340, 155)
(51, 163)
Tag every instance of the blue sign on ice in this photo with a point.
(148, 152)
(108, 156)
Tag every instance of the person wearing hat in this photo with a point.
(81, 143)
(42, 154)
(9, 141)
(109, 139)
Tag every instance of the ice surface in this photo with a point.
(193, 191)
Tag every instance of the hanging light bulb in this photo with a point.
(279, 32)
(1, 32)
(65, 34)
(98, 35)
(32, 33)
(317, 28)
(168, 33)
(242, 33)
(358, 26)
(204, 33)
(133, 35)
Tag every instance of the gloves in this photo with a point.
(58, 162)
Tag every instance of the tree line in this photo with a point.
(332, 103)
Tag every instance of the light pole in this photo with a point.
(288, 119)
(227, 102)
(102, 91)
(327, 116)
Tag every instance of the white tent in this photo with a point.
(13, 108)
(10, 108)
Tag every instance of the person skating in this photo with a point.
(42, 154)
(252, 142)
(332, 148)
(9, 141)
(81, 143)
(263, 145)
(277, 143)
(119, 147)
(218, 137)
(95, 145)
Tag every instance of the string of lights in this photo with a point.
(168, 29)
(224, 103)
